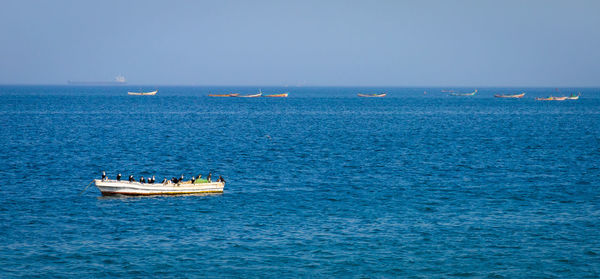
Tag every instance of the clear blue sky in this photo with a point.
(349, 43)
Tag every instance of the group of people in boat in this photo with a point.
(174, 180)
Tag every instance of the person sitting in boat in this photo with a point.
(131, 178)
(142, 180)
(164, 181)
(193, 179)
(119, 177)
(198, 177)
(153, 179)
(181, 178)
(221, 179)
(103, 175)
(208, 177)
(174, 180)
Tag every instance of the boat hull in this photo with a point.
(464, 94)
(372, 95)
(251, 96)
(277, 95)
(517, 96)
(142, 93)
(113, 187)
(551, 99)
(223, 95)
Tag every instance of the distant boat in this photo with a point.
(251, 96)
(464, 94)
(516, 96)
(223, 95)
(573, 97)
(143, 93)
(372, 95)
(551, 98)
(284, 95)
(447, 91)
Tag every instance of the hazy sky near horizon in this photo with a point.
(347, 43)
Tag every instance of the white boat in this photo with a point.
(114, 187)
(463, 94)
(253, 95)
(143, 93)
(372, 95)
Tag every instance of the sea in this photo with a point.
(418, 184)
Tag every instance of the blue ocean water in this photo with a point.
(321, 184)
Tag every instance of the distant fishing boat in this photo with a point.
(516, 96)
(224, 95)
(252, 95)
(372, 95)
(284, 95)
(143, 93)
(464, 94)
(551, 98)
(573, 97)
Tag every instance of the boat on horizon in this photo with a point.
(562, 98)
(283, 95)
(372, 95)
(463, 94)
(516, 96)
(143, 93)
(252, 95)
(224, 95)
(551, 98)
(134, 188)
